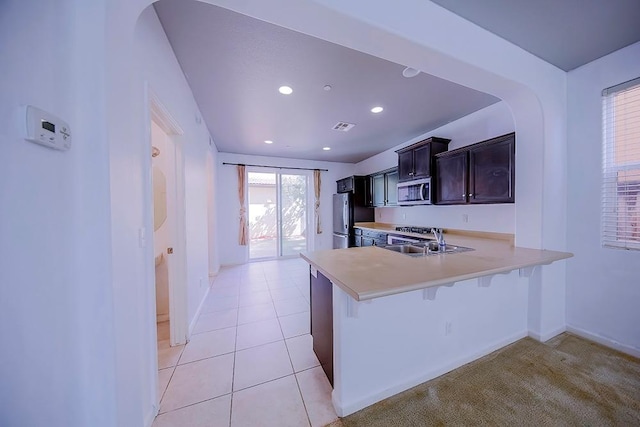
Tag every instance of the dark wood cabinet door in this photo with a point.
(368, 192)
(451, 183)
(492, 171)
(422, 162)
(367, 241)
(405, 165)
(321, 299)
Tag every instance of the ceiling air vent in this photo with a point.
(343, 126)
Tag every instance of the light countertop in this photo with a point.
(372, 272)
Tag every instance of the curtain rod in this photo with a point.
(274, 167)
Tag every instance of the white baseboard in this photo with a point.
(548, 335)
(349, 408)
(192, 323)
(151, 416)
(607, 342)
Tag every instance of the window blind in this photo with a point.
(621, 166)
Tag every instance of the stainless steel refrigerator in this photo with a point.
(345, 214)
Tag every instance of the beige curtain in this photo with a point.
(243, 211)
(316, 186)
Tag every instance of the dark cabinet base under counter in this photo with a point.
(321, 299)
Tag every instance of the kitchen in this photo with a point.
(96, 299)
(366, 297)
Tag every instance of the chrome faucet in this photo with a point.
(439, 234)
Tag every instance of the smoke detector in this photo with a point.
(343, 126)
(410, 72)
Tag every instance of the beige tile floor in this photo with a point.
(250, 360)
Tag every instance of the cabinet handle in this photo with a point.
(470, 194)
(411, 173)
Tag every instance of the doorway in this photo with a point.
(163, 179)
(278, 214)
(166, 274)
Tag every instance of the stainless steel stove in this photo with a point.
(418, 230)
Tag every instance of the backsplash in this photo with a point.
(499, 218)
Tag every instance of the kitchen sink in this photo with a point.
(405, 249)
(421, 250)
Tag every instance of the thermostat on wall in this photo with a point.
(46, 129)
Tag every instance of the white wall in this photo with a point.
(489, 122)
(156, 65)
(229, 206)
(212, 215)
(56, 320)
(603, 285)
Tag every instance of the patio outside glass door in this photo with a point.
(277, 214)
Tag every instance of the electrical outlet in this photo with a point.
(379, 215)
(448, 328)
(465, 218)
(404, 216)
(142, 237)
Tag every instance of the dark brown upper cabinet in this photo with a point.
(451, 173)
(492, 171)
(358, 185)
(416, 160)
(481, 173)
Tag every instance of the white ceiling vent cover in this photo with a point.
(343, 126)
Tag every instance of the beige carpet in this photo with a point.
(567, 381)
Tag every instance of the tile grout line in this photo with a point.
(173, 370)
(194, 403)
(235, 352)
(295, 377)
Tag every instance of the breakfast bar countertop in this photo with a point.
(372, 272)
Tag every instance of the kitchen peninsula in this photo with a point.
(385, 321)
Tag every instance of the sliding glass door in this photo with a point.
(293, 214)
(277, 214)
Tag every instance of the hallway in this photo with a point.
(250, 359)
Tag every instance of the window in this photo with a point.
(621, 166)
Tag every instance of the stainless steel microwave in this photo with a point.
(416, 192)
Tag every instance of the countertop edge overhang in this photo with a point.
(370, 272)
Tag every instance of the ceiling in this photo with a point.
(565, 33)
(235, 64)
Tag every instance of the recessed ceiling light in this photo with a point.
(326, 148)
(377, 109)
(285, 90)
(268, 141)
(327, 87)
